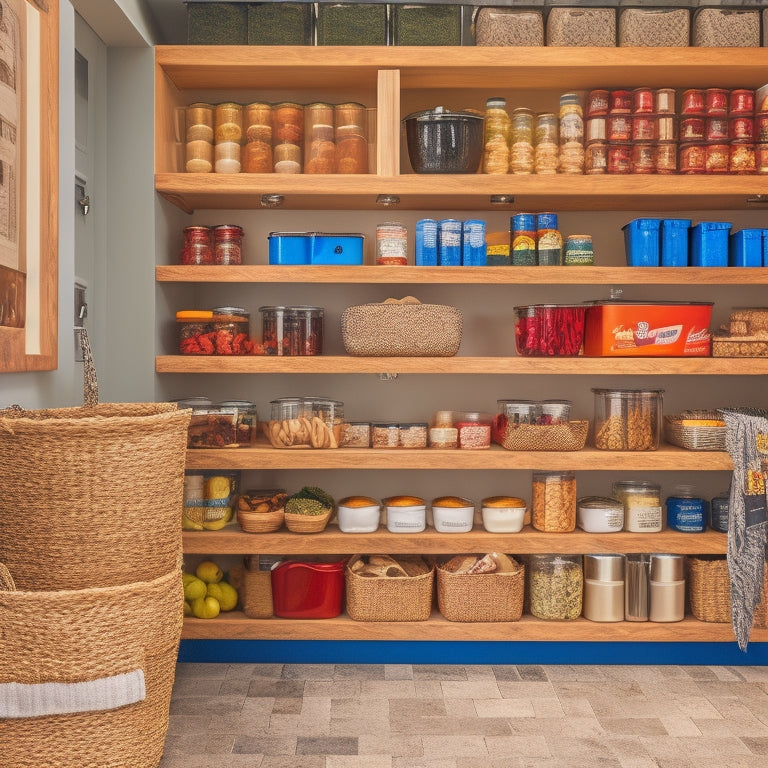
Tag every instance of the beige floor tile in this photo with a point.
(579, 748)
(332, 689)
(427, 689)
(576, 707)
(517, 746)
(733, 727)
(356, 761)
(386, 689)
(460, 708)
(679, 725)
(357, 726)
(454, 746)
(297, 725)
(360, 708)
(633, 726)
(713, 747)
(754, 674)
(480, 689)
(309, 671)
(504, 708)
(579, 727)
(480, 672)
(420, 762)
(698, 708)
(398, 672)
(523, 689)
(255, 743)
(409, 708)
(626, 747)
(292, 761)
(547, 707)
(390, 744)
(450, 726)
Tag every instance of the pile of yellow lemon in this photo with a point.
(206, 594)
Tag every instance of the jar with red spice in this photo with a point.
(228, 244)
(664, 99)
(549, 330)
(716, 128)
(693, 102)
(619, 128)
(474, 430)
(717, 158)
(644, 128)
(716, 101)
(642, 101)
(693, 158)
(761, 127)
(620, 101)
(666, 158)
(619, 158)
(288, 137)
(692, 129)
(291, 331)
(643, 158)
(198, 246)
(231, 327)
(741, 128)
(596, 158)
(742, 158)
(761, 158)
(194, 331)
(741, 101)
(597, 102)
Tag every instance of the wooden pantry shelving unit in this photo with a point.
(398, 81)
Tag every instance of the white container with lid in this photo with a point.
(406, 519)
(453, 519)
(357, 517)
(600, 514)
(503, 514)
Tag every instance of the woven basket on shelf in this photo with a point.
(709, 588)
(401, 330)
(760, 619)
(695, 437)
(389, 598)
(306, 523)
(481, 597)
(569, 436)
(260, 522)
(257, 594)
(108, 641)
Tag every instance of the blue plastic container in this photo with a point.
(709, 244)
(473, 243)
(674, 242)
(642, 242)
(289, 247)
(746, 248)
(449, 243)
(426, 243)
(328, 248)
(765, 247)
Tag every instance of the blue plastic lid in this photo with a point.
(650, 224)
(705, 226)
(681, 223)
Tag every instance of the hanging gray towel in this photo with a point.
(747, 443)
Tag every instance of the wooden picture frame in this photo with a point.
(29, 138)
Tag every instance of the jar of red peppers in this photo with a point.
(296, 330)
(222, 331)
(228, 244)
(544, 330)
(198, 246)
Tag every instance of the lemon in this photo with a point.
(205, 608)
(187, 608)
(194, 588)
(225, 593)
(190, 525)
(217, 487)
(209, 572)
(187, 577)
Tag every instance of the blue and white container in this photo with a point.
(709, 244)
(449, 243)
(746, 248)
(674, 242)
(473, 253)
(642, 242)
(686, 511)
(426, 243)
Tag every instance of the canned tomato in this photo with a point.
(741, 101)
(692, 158)
(717, 128)
(643, 128)
(665, 101)
(666, 128)
(693, 102)
(619, 128)
(742, 158)
(761, 127)
(717, 158)
(620, 101)
(741, 128)
(761, 158)
(716, 101)
(595, 130)
(597, 103)
(692, 129)
(619, 158)
(642, 101)
(666, 158)
(643, 158)
(596, 158)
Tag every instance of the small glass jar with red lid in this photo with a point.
(717, 158)
(761, 158)
(716, 128)
(693, 102)
(620, 102)
(741, 101)
(742, 158)
(619, 158)
(692, 128)
(761, 127)
(716, 101)
(643, 158)
(228, 244)
(619, 128)
(597, 102)
(741, 128)
(642, 101)
(693, 158)
(198, 246)
(644, 128)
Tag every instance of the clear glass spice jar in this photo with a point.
(553, 501)
(496, 136)
(320, 146)
(296, 330)
(555, 586)
(642, 505)
(227, 244)
(288, 137)
(521, 152)
(257, 126)
(351, 137)
(198, 246)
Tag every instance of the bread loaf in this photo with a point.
(404, 501)
(385, 566)
(356, 502)
(452, 502)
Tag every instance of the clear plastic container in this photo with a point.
(351, 135)
(228, 133)
(555, 411)
(227, 244)
(496, 134)
(305, 422)
(520, 411)
(555, 586)
(355, 434)
(288, 137)
(413, 435)
(474, 430)
(230, 424)
(257, 125)
(628, 419)
(199, 122)
(222, 331)
(503, 514)
(545, 330)
(642, 505)
(553, 501)
(385, 435)
(320, 145)
(296, 330)
(198, 246)
(599, 514)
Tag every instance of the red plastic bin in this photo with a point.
(303, 590)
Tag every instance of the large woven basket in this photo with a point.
(257, 594)
(401, 330)
(389, 598)
(569, 436)
(106, 640)
(694, 437)
(481, 597)
(709, 588)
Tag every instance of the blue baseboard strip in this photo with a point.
(478, 652)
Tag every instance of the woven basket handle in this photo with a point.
(90, 382)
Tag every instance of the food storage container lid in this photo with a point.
(235, 404)
(194, 402)
(193, 315)
(386, 424)
(621, 393)
(600, 502)
(289, 234)
(533, 307)
(604, 567)
(231, 311)
(440, 114)
(409, 424)
(337, 234)
(642, 303)
(472, 416)
(666, 568)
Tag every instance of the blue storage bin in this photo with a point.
(709, 244)
(674, 242)
(641, 242)
(765, 247)
(328, 248)
(289, 247)
(746, 248)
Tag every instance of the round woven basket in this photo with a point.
(306, 523)
(709, 588)
(81, 636)
(260, 522)
(92, 496)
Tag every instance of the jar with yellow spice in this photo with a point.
(496, 132)
(545, 146)
(257, 125)
(228, 132)
(521, 152)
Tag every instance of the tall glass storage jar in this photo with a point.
(556, 586)
(553, 501)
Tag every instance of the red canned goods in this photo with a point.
(693, 158)
(666, 158)
(642, 101)
(761, 158)
(595, 130)
(718, 158)
(619, 127)
(643, 158)
(596, 158)
(761, 127)
(716, 101)
(619, 158)
(692, 129)
(717, 128)
(742, 158)
(741, 128)
(620, 101)
(644, 128)
(597, 103)
(693, 102)
(665, 101)
(741, 101)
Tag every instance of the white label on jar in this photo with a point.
(643, 519)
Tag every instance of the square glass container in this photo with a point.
(628, 419)
(351, 24)
(549, 330)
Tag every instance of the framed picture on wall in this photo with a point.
(29, 34)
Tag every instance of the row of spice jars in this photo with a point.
(287, 137)
(694, 101)
(218, 244)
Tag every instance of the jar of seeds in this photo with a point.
(555, 586)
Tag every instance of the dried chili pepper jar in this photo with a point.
(198, 246)
(228, 244)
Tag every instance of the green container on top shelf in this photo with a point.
(217, 23)
(427, 24)
(351, 24)
(279, 24)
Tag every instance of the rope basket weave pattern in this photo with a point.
(694, 438)
(569, 436)
(306, 523)
(81, 636)
(709, 588)
(257, 597)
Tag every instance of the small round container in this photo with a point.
(743, 158)
(597, 102)
(620, 101)
(553, 501)
(666, 158)
(596, 129)
(603, 587)
(742, 127)
(761, 158)
(644, 128)
(619, 158)
(452, 514)
(619, 128)
(228, 122)
(555, 586)
(406, 515)
(717, 128)
(194, 330)
(761, 127)
(596, 158)
(199, 122)
(199, 157)
(578, 250)
(521, 126)
(642, 505)
(358, 514)
(666, 128)
(392, 243)
(227, 156)
(547, 128)
(474, 430)
(198, 246)
(643, 158)
(227, 244)
(503, 514)
(555, 411)
(716, 101)
(520, 411)
(667, 588)
(741, 101)
(229, 424)
(693, 102)
(692, 129)
(686, 510)
(599, 514)
(443, 437)
(627, 419)
(717, 158)
(719, 509)
(665, 101)
(292, 330)
(642, 101)
(693, 158)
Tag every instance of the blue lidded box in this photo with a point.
(746, 248)
(709, 244)
(289, 247)
(765, 247)
(642, 242)
(329, 248)
(674, 242)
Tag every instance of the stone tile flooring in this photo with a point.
(442, 716)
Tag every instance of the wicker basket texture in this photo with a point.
(481, 597)
(694, 438)
(307, 523)
(91, 495)
(261, 522)
(709, 588)
(401, 330)
(398, 598)
(570, 436)
(70, 636)
(257, 594)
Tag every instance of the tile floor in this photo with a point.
(422, 716)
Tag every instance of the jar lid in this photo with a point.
(600, 502)
(442, 114)
(235, 404)
(194, 402)
(622, 393)
(604, 567)
(666, 568)
(193, 315)
(230, 311)
(684, 492)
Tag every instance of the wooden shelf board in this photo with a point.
(263, 456)
(342, 364)
(370, 274)
(239, 627)
(231, 540)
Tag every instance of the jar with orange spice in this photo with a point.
(692, 158)
(351, 135)
(742, 158)
(257, 125)
(320, 146)
(717, 158)
(288, 137)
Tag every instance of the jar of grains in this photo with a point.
(496, 131)
(642, 505)
(553, 501)
(555, 586)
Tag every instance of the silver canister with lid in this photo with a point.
(667, 588)
(636, 587)
(603, 587)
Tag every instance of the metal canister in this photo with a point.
(603, 587)
(620, 101)
(667, 588)
(578, 250)
(693, 102)
(473, 243)
(636, 587)
(665, 101)
(716, 101)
